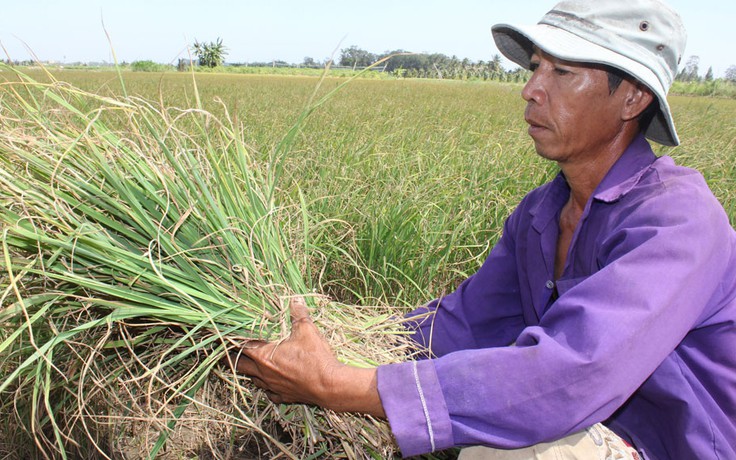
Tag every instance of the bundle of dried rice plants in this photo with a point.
(139, 245)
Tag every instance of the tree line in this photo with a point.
(400, 63)
(690, 72)
(403, 63)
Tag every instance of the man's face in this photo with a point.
(571, 114)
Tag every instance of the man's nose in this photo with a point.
(533, 89)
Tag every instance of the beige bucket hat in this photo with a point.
(644, 38)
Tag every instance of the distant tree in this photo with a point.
(401, 59)
(709, 74)
(148, 66)
(690, 71)
(210, 54)
(309, 62)
(356, 57)
(731, 74)
(496, 64)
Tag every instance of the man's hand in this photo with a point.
(303, 369)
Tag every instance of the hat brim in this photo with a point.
(517, 43)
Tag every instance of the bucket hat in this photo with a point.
(643, 38)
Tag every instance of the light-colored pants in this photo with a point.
(594, 443)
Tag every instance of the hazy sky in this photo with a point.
(289, 30)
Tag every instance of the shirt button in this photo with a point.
(550, 284)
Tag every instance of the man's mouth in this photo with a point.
(535, 127)
(533, 122)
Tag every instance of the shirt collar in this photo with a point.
(626, 172)
(620, 179)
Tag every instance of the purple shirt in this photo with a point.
(639, 332)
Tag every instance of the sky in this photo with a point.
(71, 31)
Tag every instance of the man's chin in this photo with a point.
(542, 151)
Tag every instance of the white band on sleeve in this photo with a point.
(424, 405)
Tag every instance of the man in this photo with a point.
(605, 317)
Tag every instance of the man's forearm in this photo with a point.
(353, 389)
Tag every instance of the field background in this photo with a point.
(406, 182)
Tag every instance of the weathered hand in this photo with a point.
(297, 369)
(304, 369)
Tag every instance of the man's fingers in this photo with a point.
(242, 360)
(252, 348)
(253, 344)
(298, 310)
(246, 366)
(259, 383)
(274, 398)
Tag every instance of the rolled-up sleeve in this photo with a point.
(416, 407)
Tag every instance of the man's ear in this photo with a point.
(637, 98)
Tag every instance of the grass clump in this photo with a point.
(140, 244)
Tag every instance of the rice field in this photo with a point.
(387, 195)
(413, 178)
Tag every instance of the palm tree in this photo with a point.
(210, 54)
(496, 63)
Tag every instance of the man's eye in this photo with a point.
(533, 66)
(561, 71)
